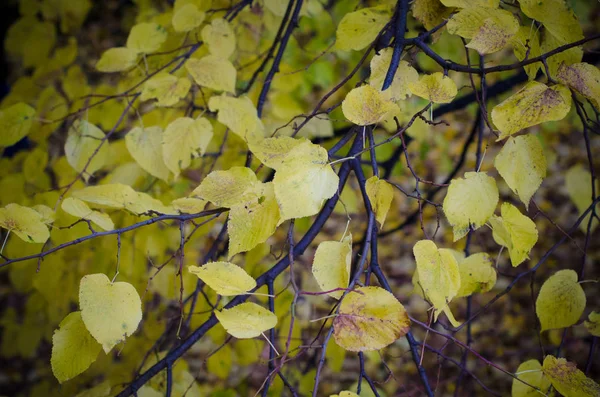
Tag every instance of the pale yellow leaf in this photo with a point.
(117, 59)
(110, 311)
(579, 187)
(83, 142)
(219, 37)
(526, 43)
(187, 18)
(568, 380)
(530, 372)
(15, 123)
(183, 139)
(380, 64)
(228, 188)
(568, 57)
(25, 222)
(556, 16)
(522, 164)
(561, 301)
(145, 146)
(593, 323)
(470, 202)
(79, 209)
(477, 274)
(430, 12)
(146, 37)
(188, 205)
(345, 393)
(514, 231)
(225, 278)
(534, 104)
(369, 318)
(435, 87)
(273, 152)
(73, 348)
(583, 78)
(381, 194)
(471, 3)
(114, 195)
(331, 265)
(246, 320)
(166, 88)
(359, 28)
(213, 72)
(239, 115)
(366, 105)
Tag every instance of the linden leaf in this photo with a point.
(568, 380)
(369, 318)
(439, 276)
(219, 37)
(187, 18)
(213, 72)
(534, 104)
(120, 196)
(225, 278)
(273, 152)
(579, 187)
(188, 205)
(80, 209)
(146, 37)
(183, 139)
(246, 320)
(489, 29)
(556, 16)
(331, 265)
(110, 311)
(381, 194)
(24, 222)
(470, 202)
(345, 393)
(568, 57)
(593, 323)
(380, 63)
(73, 348)
(430, 12)
(514, 231)
(583, 78)
(435, 87)
(228, 188)
(477, 274)
(522, 164)
(531, 373)
(15, 123)
(561, 301)
(366, 105)
(166, 88)
(145, 146)
(239, 115)
(526, 43)
(471, 3)
(83, 142)
(358, 29)
(253, 221)
(118, 59)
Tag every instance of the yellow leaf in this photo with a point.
(381, 194)
(220, 363)
(345, 393)
(225, 278)
(24, 222)
(239, 115)
(253, 221)
(556, 16)
(439, 276)
(471, 3)
(380, 63)
(358, 29)
(15, 123)
(83, 142)
(534, 104)
(526, 43)
(100, 390)
(530, 372)
(522, 164)
(366, 105)
(304, 182)
(571, 56)
(561, 301)
(73, 348)
(490, 29)
(273, 152)
(228, 188)
(470, 202)
(166, 88)
(568, 380)
(246, 320)
(80, 209)
(146, 37)
(331, 265)
(579, 187)
(477, 274)
(213, 72)
(583, 78)
(47, 214)
(183, 139)
(430, 12)
(435, 87)
(219, 37)
(31, 39)
(145, 146)
(188, 205)
(593, 323)
(369, 318)
(110, 311)
(514, 231)
(187, 18)
(117, 59)
(119, 196)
